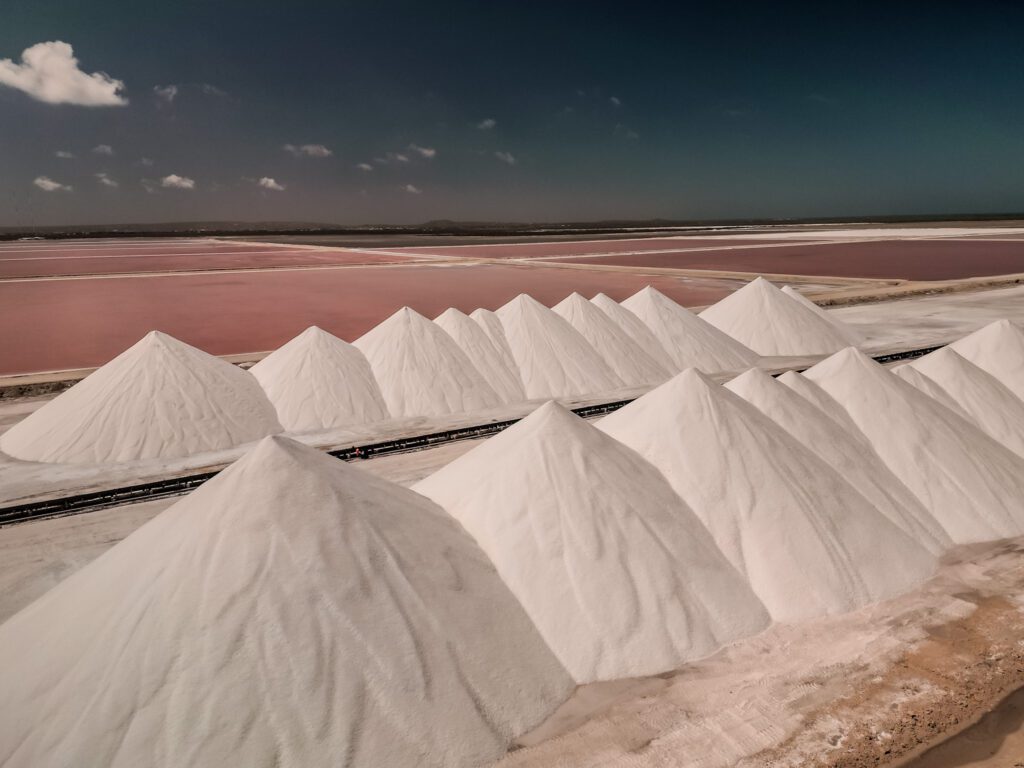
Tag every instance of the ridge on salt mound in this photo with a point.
(160, 398)
(634, 327)
(690, 341)
(919, 381)
(553, 358)
(292, 611)
(634, 366)
(807, 541)
(823, 401)
(491, 324)
(497, 370)
(849, 455)
(998, 348)
(987, 403)
(618, 574)
(317, 381)
(970, 483)
(771, 323)
(421, 370)
(851, 334)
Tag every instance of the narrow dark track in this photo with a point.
(96, 500)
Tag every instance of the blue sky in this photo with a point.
(517, 111)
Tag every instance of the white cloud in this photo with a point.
(63, 154)
(506, 157)
(487, 123)
(412, 190)
(174, 181)
(268, 183)
(212, 90)
(49, 72)
(149, 185)
(103, 149)
(427, 152)
(308, 150)
(106, 181)
(364, 167)
(166, 92)
(146, 162)
(47, 184)
(616, 101)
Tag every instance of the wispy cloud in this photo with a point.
(412, 189)
(146, 162)
(626, 132)
(268, 183)
(307, 150)
(166, 93)
(106, 181)
(174, 181)
(49, 72)
(615, 101)
(63, 154)
(364, 166)
(103, 149)
(506, 157)
(391, 157)
(487, 124)
(47, 184)
(428, 152)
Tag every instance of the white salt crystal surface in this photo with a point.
(497, 369)
(918, 380)
(628, 359)
(160, 398)
(293, 611)
(972, 484)
(317, 381)
(420, 369)
(616, 571)
(848, 332)
(636, 330)
(808, 542)
(819, 398)
(999, 349)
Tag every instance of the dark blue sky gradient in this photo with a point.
(727, 110)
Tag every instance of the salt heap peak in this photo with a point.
(919, 381)
(634, 327)
(317, 381)
(632, 364)
(998, 348)
(491, 324)
(848, 332)
(823, 401)
(553, 358)
(987, 402)
(690, 341)
(421, 370)
(846, 453)
(293, 611)
(807, 541)
(494, 366)
(159, 399)
(970, 483)
(772, 323)
(615, 570)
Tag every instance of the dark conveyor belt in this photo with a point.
(175, 486)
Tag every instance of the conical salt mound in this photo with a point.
(497, 370)
(771, 323)
(849, 455)
(554, 360)
(690, 341)
(823, 401)
(159, 399)
(421, 370)
(634, 366)
(998, 348)
(318, 381)
(807, 541)
(291, 612)
(969, 482)
(618, 574)
(492, 326)
(634, 327)
(986, 401)
(848, 332)
(918, 380)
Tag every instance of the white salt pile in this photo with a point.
(553, 359)
(807, 541)
(634, 327)
(918, 380)
(491, 324)
(420, 369)
(819, 398)
(847, 453)
(498, 370)
(318, 381)
(161, 398)
(690, 341)
(848, 331)
(969, 482)
(291, 612)
(998, 348)
(772, 323)
(615, 570)
(632, 364)
(986, 401)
